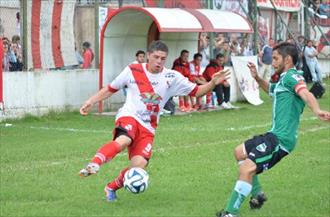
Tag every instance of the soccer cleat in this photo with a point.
(110, 194)
(257, 201)
(224, 213)
(90, 169)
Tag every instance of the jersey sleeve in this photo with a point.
(294, 82)
(183, 86)
(120, 81)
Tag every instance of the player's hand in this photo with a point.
(253, 70)
(221, 76)
(323, 115)
(84, 110)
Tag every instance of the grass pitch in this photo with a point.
(192, 171)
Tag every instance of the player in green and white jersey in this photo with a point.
(262, 152)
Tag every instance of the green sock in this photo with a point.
(256, 187)
(241, 191)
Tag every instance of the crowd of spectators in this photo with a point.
(12, 54)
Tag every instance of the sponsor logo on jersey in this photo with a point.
(298, 77)
(170, 75)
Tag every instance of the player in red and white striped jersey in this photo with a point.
(149, 86)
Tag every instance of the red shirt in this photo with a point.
(183, 68)
(88, 58)
(210, 69)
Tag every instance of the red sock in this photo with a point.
(119, 181)
(186, 103)
(181, 101)
(208, 98)
(106, 152)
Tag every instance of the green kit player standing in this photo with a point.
(262, 152)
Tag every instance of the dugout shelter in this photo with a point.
(130, 28)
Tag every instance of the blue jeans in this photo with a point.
(315, 70)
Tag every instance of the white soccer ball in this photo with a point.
(136, 180)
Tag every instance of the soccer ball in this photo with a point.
(136, 180)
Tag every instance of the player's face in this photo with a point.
(156, 61)
(278, 62)
(185, 57)
(198, 61)
(140, 58)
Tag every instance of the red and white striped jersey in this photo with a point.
(147, 92)
(195, 70)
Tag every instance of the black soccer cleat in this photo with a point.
(257, 201)
(224, 213)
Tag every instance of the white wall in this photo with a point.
(38, 92)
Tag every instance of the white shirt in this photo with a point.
(310, 51)
(165, 84)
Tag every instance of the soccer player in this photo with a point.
(261, 153)
(149, 86)
(139, 56)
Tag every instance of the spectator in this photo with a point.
(204, 49)
(8, 57)
(310, 54)
(325, 8)
(246, 49)
(266, 59)
(18, 64)
(226, 52)
(181, 65)
(140, 56)
(18, 24)
(222, 91)
(88, 56)
(197, 73)
(218, 43)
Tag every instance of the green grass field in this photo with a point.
(192, 171)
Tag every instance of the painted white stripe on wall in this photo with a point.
(46, 17)
(67, 34)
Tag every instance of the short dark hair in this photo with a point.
(86, 44)
(196, 55)
(219, 55)
(183, 51)
(287, 49)
(157, 46)
(139, 52)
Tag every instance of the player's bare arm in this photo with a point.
(310, 100)
(217, 78)
(262, 83)
(99, 96)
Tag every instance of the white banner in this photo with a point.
(282, 5)
(232, 5)
(248, 86)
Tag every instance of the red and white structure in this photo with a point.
(129, 29)
(50, 34)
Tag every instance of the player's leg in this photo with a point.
(318, 72)
(107, 152)
(139, 154)
(181, 103)
(257, 196)
(123, 135)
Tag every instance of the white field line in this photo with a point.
(193, 129)
(21, 166)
